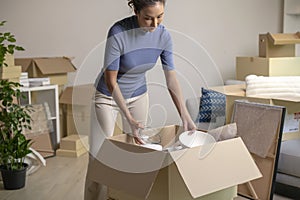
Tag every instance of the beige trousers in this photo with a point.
(103, 121)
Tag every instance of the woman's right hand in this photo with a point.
(135, 127)
(112, 85)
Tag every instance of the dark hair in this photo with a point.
(138, 5)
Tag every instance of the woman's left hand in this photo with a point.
(187, 123)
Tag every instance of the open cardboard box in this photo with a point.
(210, 171)
(278, 45)
(291, 123)
(56, 68)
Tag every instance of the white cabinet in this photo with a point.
(49, 94)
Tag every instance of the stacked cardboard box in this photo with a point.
(10, 71)
(75, 103)
(73, 146)
(75, 114)
(56, 68)
(276, 57)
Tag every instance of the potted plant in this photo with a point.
(14, 118)
(7, 45)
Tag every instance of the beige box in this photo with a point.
(286, 66)
(238, 92)
(15, 80)
(178, 189)
(78, 119)
(278, 45)
(71, 153)
(42, 144)
(75, 102)
(74, 142)
(56, 68)
(134, 172)
(9, 60)
(39, 132)
(10, 72)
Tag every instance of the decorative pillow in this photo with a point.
(212, 105)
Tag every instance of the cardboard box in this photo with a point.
(40, 132)
(74, 142)
(76, 107)
(42, 143)
(179, 190)
(238, 92)
(70, 153)
(11, 72)
(278, 45)
(9, 60)
(56, 68)
(73, 146)
(161, 175)
(260, 127)
(286, 66)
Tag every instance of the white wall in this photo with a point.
(207, 35)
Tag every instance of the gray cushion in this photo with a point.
(289, 158)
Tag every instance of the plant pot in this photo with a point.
(13, 179)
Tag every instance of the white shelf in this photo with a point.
(49, 94)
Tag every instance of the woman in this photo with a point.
(133, 46)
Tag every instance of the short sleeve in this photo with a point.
(166, 56)
(112, 52)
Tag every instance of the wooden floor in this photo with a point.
(62, 179)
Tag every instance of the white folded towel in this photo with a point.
(272, 87)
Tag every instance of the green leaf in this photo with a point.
(11, 39)
(13, 118)
(18, 48)
(7, 34)
(2, 23)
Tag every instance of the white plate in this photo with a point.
(157, 147)
(195, 139)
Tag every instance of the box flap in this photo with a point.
(47, 65)
(78, 95)
(24, 62)
(284, 38)
(66, 96)
(227, 164)
(59, 65)
(127, 167)
(238, 89)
